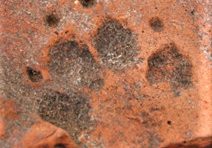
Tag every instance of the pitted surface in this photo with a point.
(104, 73)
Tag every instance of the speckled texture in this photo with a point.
(100, 71)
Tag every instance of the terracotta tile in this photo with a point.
(105, 73)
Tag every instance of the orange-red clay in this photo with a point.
(105, 74)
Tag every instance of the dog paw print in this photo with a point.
(72, 66)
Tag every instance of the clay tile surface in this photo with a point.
(105, 74)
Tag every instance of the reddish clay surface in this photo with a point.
(105, 73)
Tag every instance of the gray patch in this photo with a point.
(72, 65)
(169, 65)
(97, 84)
(68, 111)
(23, 97)
(148, 121)
(116, 45)
(156, 24)
(154, 140)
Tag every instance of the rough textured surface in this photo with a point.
(156, 24)
(68, 111)
(105, 73)
(117, 46)
(169, 65)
